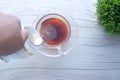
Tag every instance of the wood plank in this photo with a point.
(49, 74)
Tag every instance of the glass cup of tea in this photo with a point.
(58, 34)
(54, 35)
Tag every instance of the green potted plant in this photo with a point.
(108, 14)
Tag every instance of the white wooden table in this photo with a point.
(95, 57)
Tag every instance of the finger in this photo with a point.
(24, 35)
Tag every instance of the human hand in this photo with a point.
(12, 38)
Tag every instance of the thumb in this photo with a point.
(24, 34)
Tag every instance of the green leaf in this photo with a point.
(108, 13)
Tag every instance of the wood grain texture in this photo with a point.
(96, 55)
